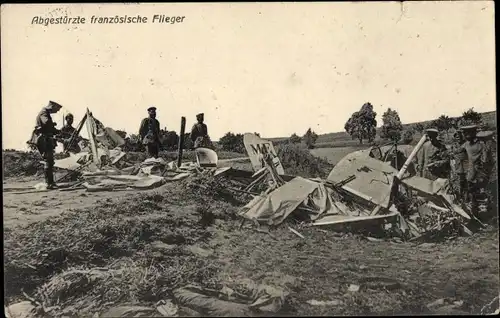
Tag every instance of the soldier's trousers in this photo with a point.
(478, 197)
(48, 157)
(153, 150)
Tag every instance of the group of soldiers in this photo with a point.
(45, 136)
(468, 164)
(149, 133)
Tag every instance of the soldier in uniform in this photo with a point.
(487, 138)
(475, 171)
(150, 133)
(458, 157)
(67, 132)
(431, 157)
(44, 134)
(199, 133)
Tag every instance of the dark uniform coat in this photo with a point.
(150, 135)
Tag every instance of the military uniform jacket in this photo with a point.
(44, 123)
(477, 157)
(459, 157)
(150, 130)
(428, 154)
(199, 130)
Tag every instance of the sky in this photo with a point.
(270, 68)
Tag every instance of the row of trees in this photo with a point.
(362, 124)
(234, 142)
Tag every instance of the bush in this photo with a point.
(310, 138)
(169, 139)
(407, 137)
(294, 139)
(298, 161)
(232, 142)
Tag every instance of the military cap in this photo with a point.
(152, 108)
(54, 104)
(200, 115)
(468, 128)
(432, 130)
(485, 134)
(69, 115)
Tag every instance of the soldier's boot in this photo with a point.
(49, 175)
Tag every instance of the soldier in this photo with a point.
(475, 171)
(199, 133)
(67, 133)
(458, 157)
(431, 157)
(487, 138)
(44, 133)
(150, 133)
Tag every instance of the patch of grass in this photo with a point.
(297, 160)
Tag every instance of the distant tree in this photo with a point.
(443, 123)
(470, 117)
(310, 138)
(408, 136)
(362, 124)
(232, 142)
(294, 139)
(391, 127)
(121, 133)
(454, 123)
(419, 127)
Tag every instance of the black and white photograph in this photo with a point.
(240, 159)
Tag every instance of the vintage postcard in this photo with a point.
(249, 159)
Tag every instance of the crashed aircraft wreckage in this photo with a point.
(360, 191)
(102, 167)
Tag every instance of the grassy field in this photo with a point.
(333, 155)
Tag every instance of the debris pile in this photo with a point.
(359, 190)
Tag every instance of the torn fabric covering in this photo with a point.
(280, 203)
(373, 177)
(227, 302)
(104, 183)
(71, 162)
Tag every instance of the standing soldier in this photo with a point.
(487, 139)
(458, 158)
(199, 133)
(475, 172)
(150, 133)
(430, 157)
(43, 137)
(67, 133)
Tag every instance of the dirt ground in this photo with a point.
(176, 235)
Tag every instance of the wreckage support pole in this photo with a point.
(411, 156)
(181, 141)
(403, 169)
